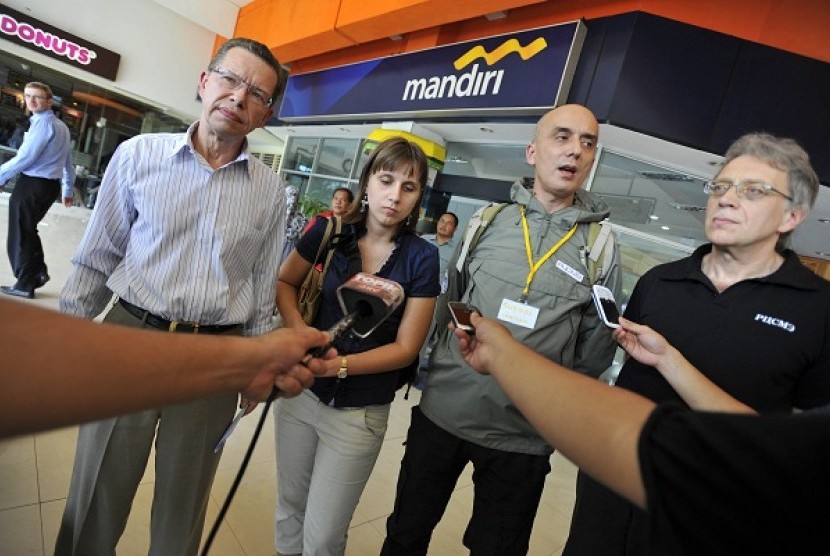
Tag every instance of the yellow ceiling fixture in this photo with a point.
(436, 154)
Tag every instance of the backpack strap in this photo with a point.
(475, 227)
(600, 250)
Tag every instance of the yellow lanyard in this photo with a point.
(534, 267)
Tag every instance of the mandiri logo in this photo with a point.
(474, 82)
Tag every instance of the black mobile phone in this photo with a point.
(461, 315)
(606, 306)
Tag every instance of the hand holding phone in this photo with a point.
(461, 315)
(606, 306)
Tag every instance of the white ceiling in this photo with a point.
(811, 239)
(218, 16)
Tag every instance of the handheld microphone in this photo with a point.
(367, 301)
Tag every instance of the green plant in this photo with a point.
(311, 207)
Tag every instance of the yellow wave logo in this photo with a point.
(512, 45)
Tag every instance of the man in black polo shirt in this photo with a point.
(742, 309)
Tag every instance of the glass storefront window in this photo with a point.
(492, 161)
(317, 166)
(651, 199)
(657, 215)
(299, 154)
(337, 157)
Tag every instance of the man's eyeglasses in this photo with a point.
(27, 96)
(747, 189)
(230, 81)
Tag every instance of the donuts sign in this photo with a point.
(55, 43)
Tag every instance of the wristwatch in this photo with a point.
(344, 368)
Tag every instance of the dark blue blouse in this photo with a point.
(413, 264)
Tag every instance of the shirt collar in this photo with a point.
(45, 114)
(185, 141)
(791, 273)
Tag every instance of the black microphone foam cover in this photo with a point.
(372, 297)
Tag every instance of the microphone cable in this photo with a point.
(229, 498)
(334, 332)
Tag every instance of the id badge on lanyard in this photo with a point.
(520, 312)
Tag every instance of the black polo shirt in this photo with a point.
(765, 341)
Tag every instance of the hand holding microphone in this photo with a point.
(367, 301)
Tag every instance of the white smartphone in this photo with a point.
(606, 306)
(461, 315)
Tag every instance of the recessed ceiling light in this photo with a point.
(654, 217)
(665, 228)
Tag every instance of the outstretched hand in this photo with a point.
(279, 362)
(642, 343)
(479, 350)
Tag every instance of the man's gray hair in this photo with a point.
(785, 155)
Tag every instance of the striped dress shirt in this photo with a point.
(179, 239)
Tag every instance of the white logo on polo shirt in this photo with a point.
(772, 321)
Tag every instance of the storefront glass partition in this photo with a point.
(657, 214)
(317, 166)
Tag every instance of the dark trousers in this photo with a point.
(604, 523)
(30, 201)
(507, 490)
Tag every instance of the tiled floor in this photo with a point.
(35, 469)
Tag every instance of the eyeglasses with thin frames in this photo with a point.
(747, 189)
(230, 81)
(27, 96)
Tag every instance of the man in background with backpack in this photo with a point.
(530, 264)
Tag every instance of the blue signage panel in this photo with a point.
(514, 74)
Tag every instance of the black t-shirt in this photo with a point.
(736, 484)
(764, 341)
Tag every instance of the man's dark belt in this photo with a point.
(175, 325)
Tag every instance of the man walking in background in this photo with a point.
(42, 160)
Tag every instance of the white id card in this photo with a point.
(520, 314)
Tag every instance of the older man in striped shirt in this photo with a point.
(186, 234)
